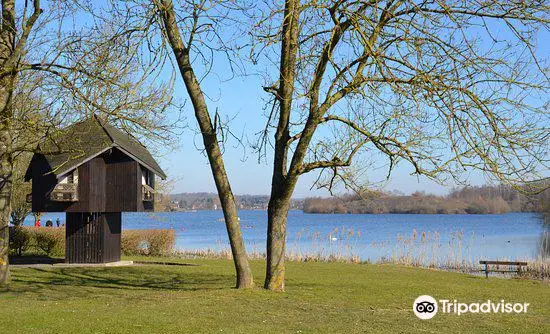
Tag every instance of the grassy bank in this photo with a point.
(320, 297)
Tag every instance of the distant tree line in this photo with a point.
(472, 200)
(211, 201)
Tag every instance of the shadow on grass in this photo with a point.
(61, 283)
(34, 259)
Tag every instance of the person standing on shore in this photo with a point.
(57, 221)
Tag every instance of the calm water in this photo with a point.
(467, 237)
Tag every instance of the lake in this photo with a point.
(436, 238)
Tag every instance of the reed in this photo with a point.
(427, 249)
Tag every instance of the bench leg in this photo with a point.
(486, 270)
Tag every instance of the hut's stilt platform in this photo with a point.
(92, 237)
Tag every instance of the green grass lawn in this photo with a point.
(320, 298)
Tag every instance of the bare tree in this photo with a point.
(182, 54)
(187, 35)
(163, 189)
(443, 86)
(20, 207)
(71, 70)
(12, 44)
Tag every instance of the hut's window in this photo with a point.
(146, 176)
(71, 177)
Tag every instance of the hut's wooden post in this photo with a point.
(92, 237)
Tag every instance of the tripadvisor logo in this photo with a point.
(426, 307)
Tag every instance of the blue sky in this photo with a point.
(242, 100)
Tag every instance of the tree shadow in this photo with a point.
(34, 259)
(62, 283)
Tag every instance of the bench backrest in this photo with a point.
(506, 263)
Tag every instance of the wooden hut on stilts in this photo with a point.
(93, 172)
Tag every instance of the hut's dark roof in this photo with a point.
(82, 141)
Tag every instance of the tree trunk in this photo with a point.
(282, 182)
(211, 145)
(6, 168)
(277, 214)
(210, 140)
(7, 33)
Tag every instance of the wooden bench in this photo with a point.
(510, 264)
